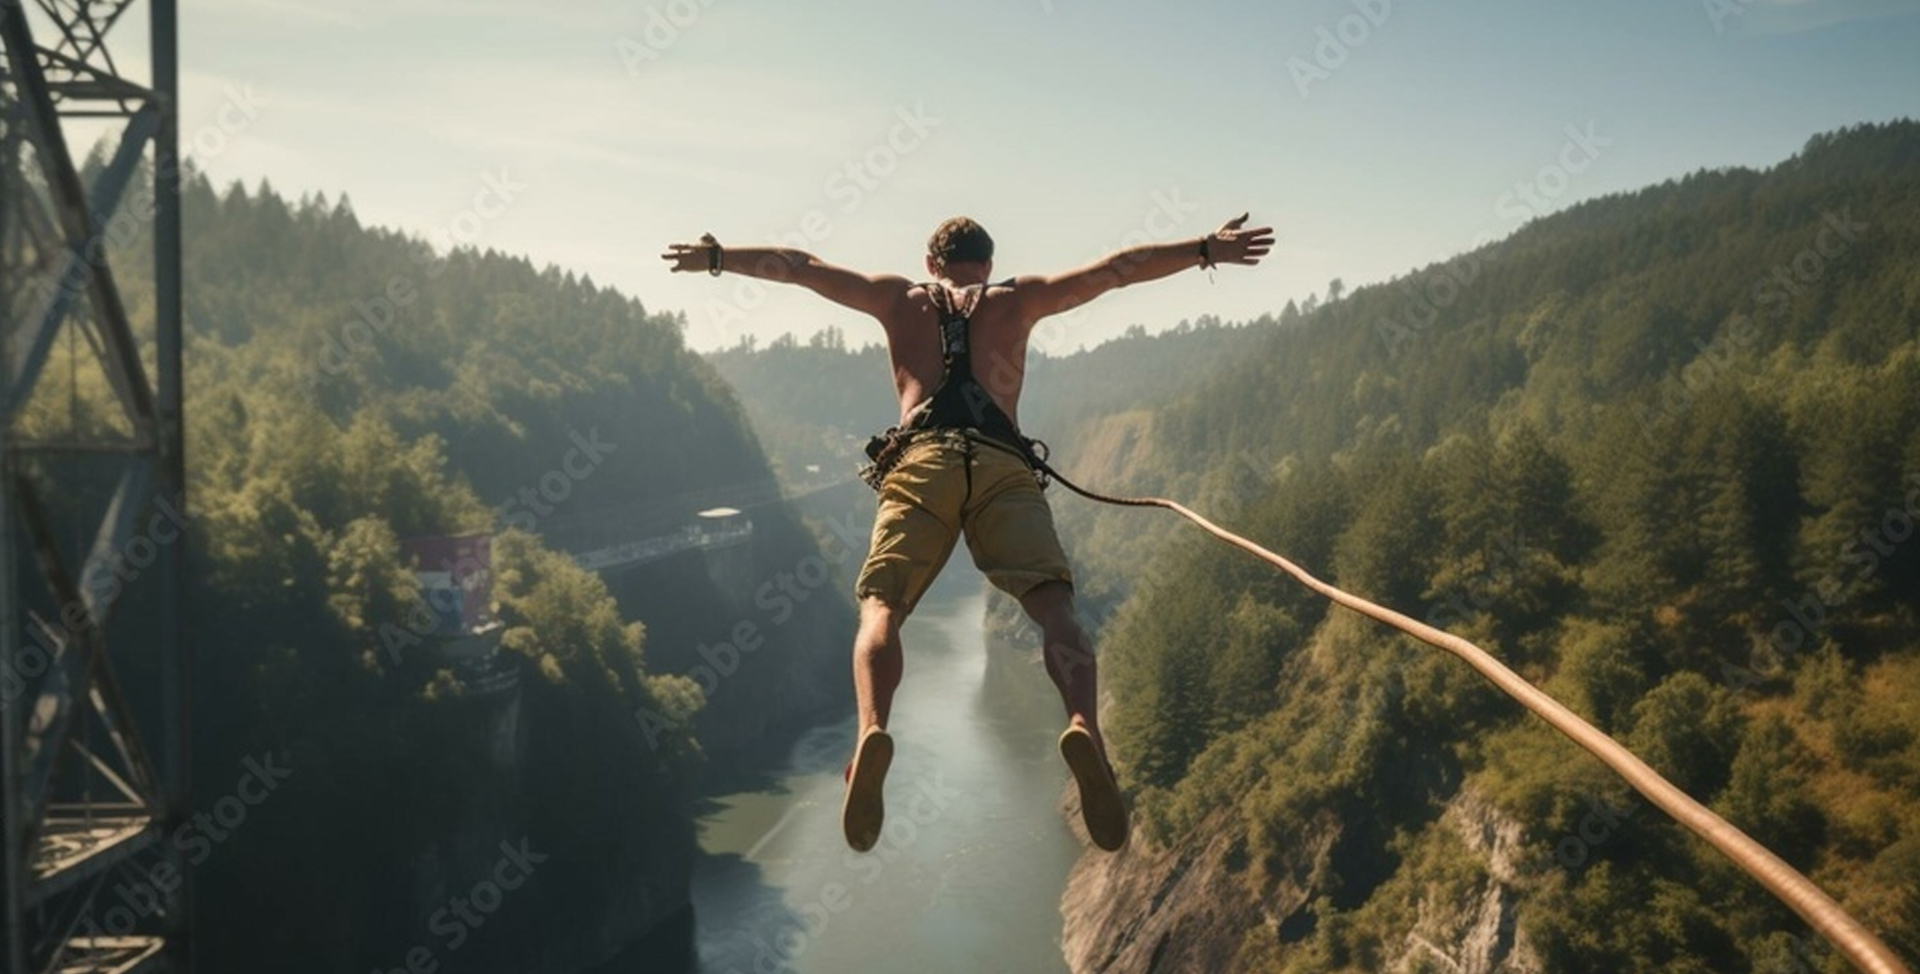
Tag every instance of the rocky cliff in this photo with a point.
(1193, 905)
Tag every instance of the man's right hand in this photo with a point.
(1233, 244)
(690, 257)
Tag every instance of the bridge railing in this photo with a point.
(688, 538)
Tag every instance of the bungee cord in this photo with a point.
(1858, 944)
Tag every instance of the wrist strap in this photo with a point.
(716, 255)
(1206, 252)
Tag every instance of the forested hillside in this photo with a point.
(1661, 453)
(813, 404)
(350, 388)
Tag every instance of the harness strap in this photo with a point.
(958, 403)
(955, 323)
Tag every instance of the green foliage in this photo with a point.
(1624, 457)
(1384, 550)
(1600, 674)
(1177, 635)
(1649, 927)
(366, 581)
(560, 611)
(1688, 729)
(1243, 671)
(349, 388)
(1876, 727)
(1766, 794)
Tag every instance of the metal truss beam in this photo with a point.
(83, 803)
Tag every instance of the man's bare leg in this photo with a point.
(877, 666)
(1068, 654)
(877, 662)
(1070, 662)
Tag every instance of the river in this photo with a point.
(969, 870)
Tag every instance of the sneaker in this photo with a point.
(863, 811)
(1100, 804)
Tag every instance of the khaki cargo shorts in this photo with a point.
(945, 485)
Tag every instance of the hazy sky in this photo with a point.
(1377, 135)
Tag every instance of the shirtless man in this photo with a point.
(958, 346)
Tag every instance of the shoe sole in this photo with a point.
(864, 810)
(1100, 804)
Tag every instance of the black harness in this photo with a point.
(959, 404)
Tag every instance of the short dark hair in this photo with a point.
(960, 241)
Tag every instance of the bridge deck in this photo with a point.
(632, 553)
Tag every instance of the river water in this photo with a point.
(969, 870)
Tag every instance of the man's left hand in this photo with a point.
(1234, 244)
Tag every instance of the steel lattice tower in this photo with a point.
(92, 544)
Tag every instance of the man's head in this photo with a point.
(959, 243)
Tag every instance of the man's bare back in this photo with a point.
(997, 334)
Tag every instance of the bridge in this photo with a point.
(620, 537)
(652, 531)
(693, 537)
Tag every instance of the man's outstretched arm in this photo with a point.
(1231, 244)
(877, 295)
